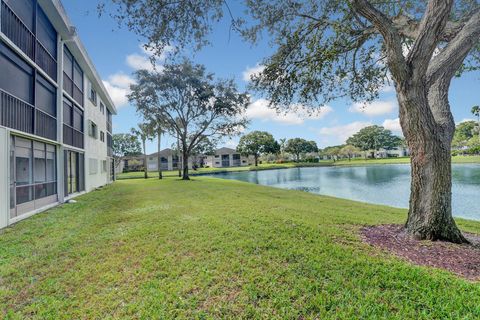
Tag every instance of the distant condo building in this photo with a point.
(55, 113)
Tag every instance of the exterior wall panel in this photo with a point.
(4, 178)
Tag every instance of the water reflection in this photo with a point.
(387, 184)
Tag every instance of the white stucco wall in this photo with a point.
(4, 178)
(95, 149)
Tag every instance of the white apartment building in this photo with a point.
(55, 113)
(228, 157)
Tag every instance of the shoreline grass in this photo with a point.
(212, 248)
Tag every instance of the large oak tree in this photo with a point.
(327, 49)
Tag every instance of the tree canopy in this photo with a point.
(257, 143)
(374, 138)
(125, 144)
(192, 104)
(299, 146)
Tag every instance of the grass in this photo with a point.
(211, 248)
(268, 166)
(200, 171)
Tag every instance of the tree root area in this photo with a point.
(461, 259)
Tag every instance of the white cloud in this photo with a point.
(118, 84)
(118, 87)
(259, 109)
(139, 62)
(165, 53)
(143, 60)
(373, 109)
(230, 143)
(121, 80)
(343, 132)
(466, 120)
(392, 125)
(251, 71)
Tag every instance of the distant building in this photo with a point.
(393, 153)
(169, 160)
(227, 157)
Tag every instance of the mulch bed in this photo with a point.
(463, 260)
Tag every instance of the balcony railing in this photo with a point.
(22, 37)
(45, 61)
(17, 31)
(72, 89)
(15, 113)
(72, 137)
(45, 125)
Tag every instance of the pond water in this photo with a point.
(379, 184)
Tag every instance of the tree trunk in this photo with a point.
(179, 163)
(145, 173)
(185, 165)
(429, 132)
(256, 160)
(159, 157)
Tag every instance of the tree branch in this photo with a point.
(389, 33)
(429, 30)
(449, 60)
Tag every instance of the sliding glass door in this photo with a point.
(33, 178)
(74, 172)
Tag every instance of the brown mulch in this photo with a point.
(463, 260)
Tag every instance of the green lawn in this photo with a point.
(200, 171)
(211, 248)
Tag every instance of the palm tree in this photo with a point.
(476, 112)
(144, 132)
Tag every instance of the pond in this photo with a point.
(378, 184)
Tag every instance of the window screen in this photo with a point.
(46, 96)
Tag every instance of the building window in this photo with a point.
(92, 166)
(46, 96)
(102, 136)
(109, 121)
(92, 94)
(93, 129)
(104, 166)
(72, 124)
(27, 26)
(18, 108)
(102, 108)
(72, 77)
(17, 76)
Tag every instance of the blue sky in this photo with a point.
(117, 53)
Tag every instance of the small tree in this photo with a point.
(374, 138)
(144, 132)
(257, 143)
(156, 127)
(298, 146)
(349, 151)
(464, 132)
(124, 144)
(192, 103)
(332, 152)
(476, 112)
